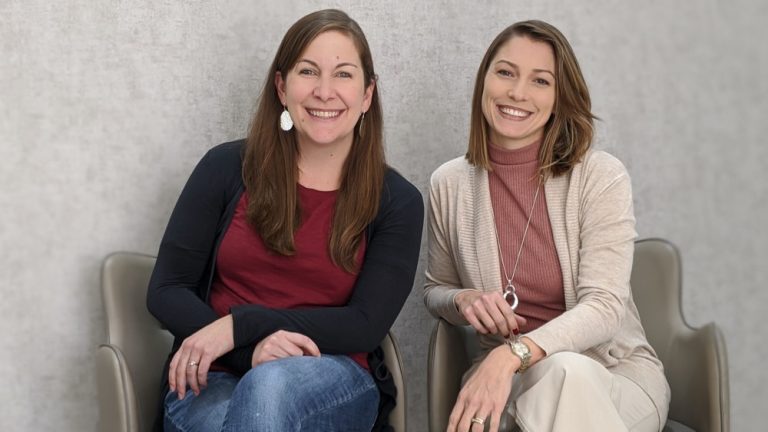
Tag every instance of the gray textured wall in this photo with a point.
(105, 106)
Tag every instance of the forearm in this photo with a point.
(578, 329)
(238, 360)
(180, 311)
(440, 301)
(442, 283)
(335, 330)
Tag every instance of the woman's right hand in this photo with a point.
(488, 312)
(193, 359)
(282, 344)
(484, 396)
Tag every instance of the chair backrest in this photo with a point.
(136, 335)
(656, 290)
(695, 359)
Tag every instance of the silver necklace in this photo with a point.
(509, 291)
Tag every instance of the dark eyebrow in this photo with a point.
(318, 66)
(514, 66)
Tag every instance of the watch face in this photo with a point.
(521, 348)
(524, 353)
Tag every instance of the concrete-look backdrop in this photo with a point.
(106, 105)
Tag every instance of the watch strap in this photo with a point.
(522, 352)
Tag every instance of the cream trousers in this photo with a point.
(571, 392)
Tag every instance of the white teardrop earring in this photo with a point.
(286, 122)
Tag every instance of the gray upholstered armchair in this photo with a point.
(694, 359)
(129, 364)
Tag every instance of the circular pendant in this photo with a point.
(511, 298)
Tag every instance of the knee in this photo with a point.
(264, 399)
(271, 384)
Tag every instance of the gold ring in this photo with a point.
(193, 363)
(478, 420)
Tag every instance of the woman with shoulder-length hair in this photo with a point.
(531, 237)
(289, 255)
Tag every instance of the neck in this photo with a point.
(320, 167)
(514, 144)
(526, 157)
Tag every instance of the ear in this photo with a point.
(280, 87)
(368, 96)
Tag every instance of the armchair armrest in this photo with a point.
(116, 402)
(451, 350)
(704, 403)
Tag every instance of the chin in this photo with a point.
(324, 140)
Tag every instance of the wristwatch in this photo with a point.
(522, 351)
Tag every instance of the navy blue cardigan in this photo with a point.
(180, 285)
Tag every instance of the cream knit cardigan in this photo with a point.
(593, 226)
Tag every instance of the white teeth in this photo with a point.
(324, 114)
(514, 112)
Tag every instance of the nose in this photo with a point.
(518, 91)
(324, 89)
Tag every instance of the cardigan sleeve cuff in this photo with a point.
(248, 323)
(239, 359)
(442, 305)
(547, 340)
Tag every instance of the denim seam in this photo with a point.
(338, 403)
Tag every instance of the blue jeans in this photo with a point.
(327, 393)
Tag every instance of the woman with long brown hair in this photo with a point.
(530, 242)
(289, 255)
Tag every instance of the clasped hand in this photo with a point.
(282, 344)
(488, 312)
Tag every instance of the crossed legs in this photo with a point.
(331, 393)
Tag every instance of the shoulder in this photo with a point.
(224, 155)
(401, 205)
(218, 172)
(598, 164)
(601, 179)
(398, 190)
(451, 172)
(222, 165)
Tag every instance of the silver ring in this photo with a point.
(478, 420)
(193, 363)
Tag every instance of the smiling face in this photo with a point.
(519, 92)
(325, 92)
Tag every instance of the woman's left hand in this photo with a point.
(485, 394)
(191, 362)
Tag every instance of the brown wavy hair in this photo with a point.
(270, 171)
(568, 132)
